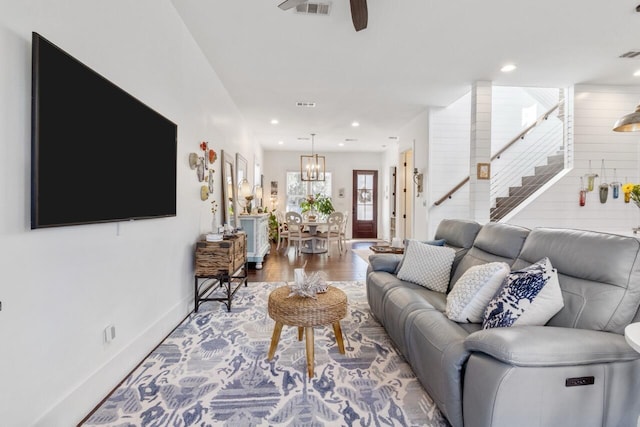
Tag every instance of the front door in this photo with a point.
(365, 204)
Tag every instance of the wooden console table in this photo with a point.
(221, 267)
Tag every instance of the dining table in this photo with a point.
(315, 245)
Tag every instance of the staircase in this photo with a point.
(530, 184)
(526, 163)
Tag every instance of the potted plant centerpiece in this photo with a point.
(318, 204)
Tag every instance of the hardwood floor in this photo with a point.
(279, 265)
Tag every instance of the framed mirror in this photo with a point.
(229, 186)
(242, 172)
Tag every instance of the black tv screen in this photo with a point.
(97, 153)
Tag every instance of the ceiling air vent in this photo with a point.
(314, 8)
(631, 54)
(305, 104)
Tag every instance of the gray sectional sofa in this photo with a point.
(577, 370)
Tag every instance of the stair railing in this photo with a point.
(497, 155)
(535, 161)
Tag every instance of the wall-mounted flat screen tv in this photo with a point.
(97, 153)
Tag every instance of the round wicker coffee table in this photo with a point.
(305, 313)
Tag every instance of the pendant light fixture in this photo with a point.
(628, 123)
(312, 167)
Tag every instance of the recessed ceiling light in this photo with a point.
(274, 121)
(280, 142)
(340, 144)
(355, 124)
(637, 73)
(508, 68)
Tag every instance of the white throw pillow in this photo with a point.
(427, 265)
(473, 291)
(530, 296)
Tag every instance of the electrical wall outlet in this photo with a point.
(109, 333)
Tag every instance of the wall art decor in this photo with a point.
(591, 178)
(204, 192)
(484, 171)
(603, 188)
(201, 163)
(583, 192)
(615, 185)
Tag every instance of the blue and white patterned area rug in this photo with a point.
(213, 371)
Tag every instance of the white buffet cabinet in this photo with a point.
(257, 229)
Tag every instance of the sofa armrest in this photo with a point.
(550, 346)
(384, 262)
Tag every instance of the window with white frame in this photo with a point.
(297, 190)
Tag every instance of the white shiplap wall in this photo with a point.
(481, 109)
(449, 160)
(596, 108)
(508, 103)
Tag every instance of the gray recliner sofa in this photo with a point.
(577, 370)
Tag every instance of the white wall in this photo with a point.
(341, 166)
(60, 287)
(449, 161)
(596, 110)
(508, 103)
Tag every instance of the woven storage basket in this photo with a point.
(328, 308)
(226, 256)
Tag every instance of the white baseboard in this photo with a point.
(73, 407)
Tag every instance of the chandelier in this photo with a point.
(312, 167)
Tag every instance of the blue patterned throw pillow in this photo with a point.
(530, 296)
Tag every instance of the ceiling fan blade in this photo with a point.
(359, 14)
(289, 4)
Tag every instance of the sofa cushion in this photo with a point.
(599, 276)
(471, 294)
(458, 234)
(384, 262)
(530, 296)
(378, 284)
(435, 347)
(401, 302)
(439, 242)
(427, 265)
(496, 242)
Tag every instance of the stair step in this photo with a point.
(511, 201)
(548, 169)
(525, 190)
(530, 184)
(497, 214)
(537, 179)
(555, 159)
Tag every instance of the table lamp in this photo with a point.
(258, 193)
(245, 191)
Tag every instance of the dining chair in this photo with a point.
(283, 231)
(334, 227)
(295, 229)
(343, 231)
